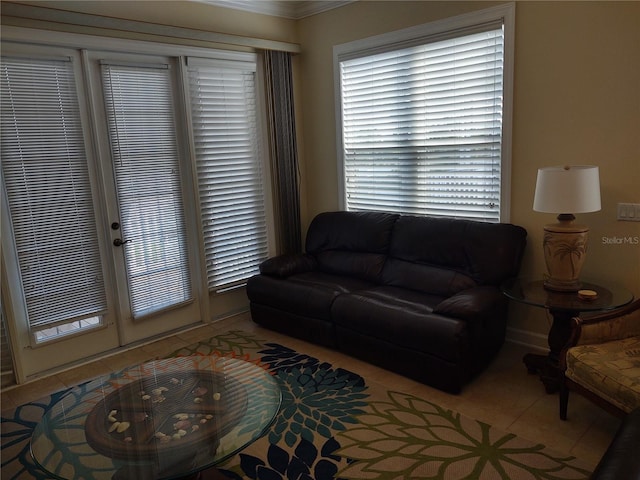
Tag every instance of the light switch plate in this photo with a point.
(629, 212)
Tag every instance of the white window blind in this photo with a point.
(142, 133)
(422, 127)
(229, 167)
(46, 180)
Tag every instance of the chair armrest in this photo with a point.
(471, 303)
(614, 325)
(288, 264)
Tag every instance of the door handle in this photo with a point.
(118, 242)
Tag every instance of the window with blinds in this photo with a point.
(229, 168)
(49, 196)
(142, 133)
(422, 125)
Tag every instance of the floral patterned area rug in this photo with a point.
(333, 425)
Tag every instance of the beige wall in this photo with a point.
(576, 100)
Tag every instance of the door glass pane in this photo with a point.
(142, 134)
(47, 184)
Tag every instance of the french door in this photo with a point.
(156, 273)
(94, 211)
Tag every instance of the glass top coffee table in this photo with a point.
(166, 419)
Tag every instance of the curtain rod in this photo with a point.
(55, 16)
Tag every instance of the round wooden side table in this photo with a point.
(562, 306)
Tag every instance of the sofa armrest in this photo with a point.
(288, 264)
(470, 303)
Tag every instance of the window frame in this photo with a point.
(433, 31)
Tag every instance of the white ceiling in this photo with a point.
(295, 9)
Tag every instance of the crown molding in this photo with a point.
(60, 20)
(281, 8)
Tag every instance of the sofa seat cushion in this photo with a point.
(404, 318)
(310, 294)
(611, 370)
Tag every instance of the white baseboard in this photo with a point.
(527, 338)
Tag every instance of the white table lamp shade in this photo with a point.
(571, 189)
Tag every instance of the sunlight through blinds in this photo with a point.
(229, 166)
(49, 192)
(422, 128)
(142, 131)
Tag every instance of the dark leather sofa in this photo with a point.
(416, 295)
(621, 460)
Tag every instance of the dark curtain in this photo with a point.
(283, 150)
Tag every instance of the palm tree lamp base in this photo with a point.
(565, 250)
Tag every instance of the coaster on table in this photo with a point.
(587, 295)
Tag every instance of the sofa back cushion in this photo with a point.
(351, 243)
(425, 278)
(445, 256)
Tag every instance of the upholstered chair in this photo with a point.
(602, 360)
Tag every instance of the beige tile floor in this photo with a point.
(503, 396)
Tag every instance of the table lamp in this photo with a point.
(566, 190)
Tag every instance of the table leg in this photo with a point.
(547, 365)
